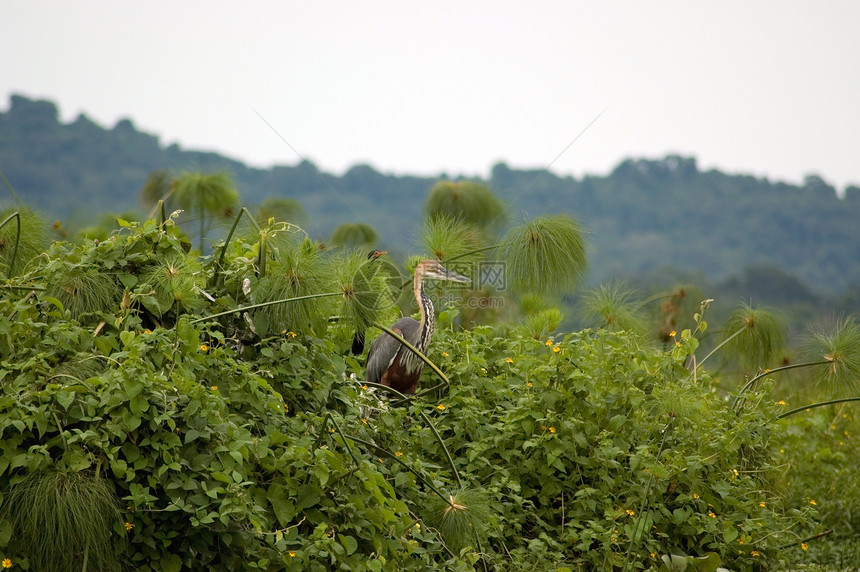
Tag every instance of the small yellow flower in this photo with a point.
(484, 370)
(552, 429)
(7, 563)
(147, 331)
(653, 555)
(529, 384)
(630, 512)
(812, 501)
(548, 343)
(761, 504)
(128, 527)
(509, 360)
(292, 554)
(740, 540)
(767, 370)
(286, 408)
(754, 553)
(364, 421)
(804, 546)
(735, 472)
(695, 495)
(398, 454)
(204, 348)
(364, 387)
(711, 514)
(440, 407)
(678, 344)
(444, 354)
(556, 349)
(672, 333)
(781, 402)
(214, 388)
(291, 334)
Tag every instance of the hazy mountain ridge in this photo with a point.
(645, 215)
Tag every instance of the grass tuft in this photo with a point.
(545, 255)
(64, 521)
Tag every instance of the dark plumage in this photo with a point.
(391, 363)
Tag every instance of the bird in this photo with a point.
(358, 338)
(389, 362)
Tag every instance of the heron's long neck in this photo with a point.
(428, 317)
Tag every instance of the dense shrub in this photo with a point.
(226, 447)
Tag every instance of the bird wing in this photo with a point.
(384, 348)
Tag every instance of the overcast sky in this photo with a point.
(769, 88)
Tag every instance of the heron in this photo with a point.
(358, 338)
(389, 362)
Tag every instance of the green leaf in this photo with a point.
(679, 515)
(710, 562)
(673, 563)
(127, 280)
(54, 301)
(5, 532)
(617, 422)
(170, 563)
(284, 509)
(126, 337)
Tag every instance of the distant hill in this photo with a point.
(644, 216)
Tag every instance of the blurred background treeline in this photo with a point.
(655, 224)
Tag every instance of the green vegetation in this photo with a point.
(166, 407)
(650, 221)
(164, 410)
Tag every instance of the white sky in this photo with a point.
(769, 88)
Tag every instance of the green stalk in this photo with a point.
(263, 305)
(402, 396)
(807, 539)
(264, 238)
(444, 449)
(814, 405)
(161, 213)
(654, 298)
(645, 496)
(739, 401)
(202, 228)
(724, 342)
(216, 277)
(17, 216)
(391, 455)
(750, 383)
(11, 189)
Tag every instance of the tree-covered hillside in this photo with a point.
(645, 216)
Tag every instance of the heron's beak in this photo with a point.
(454, 277)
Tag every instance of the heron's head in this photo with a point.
(374, 254)
(432, 269)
